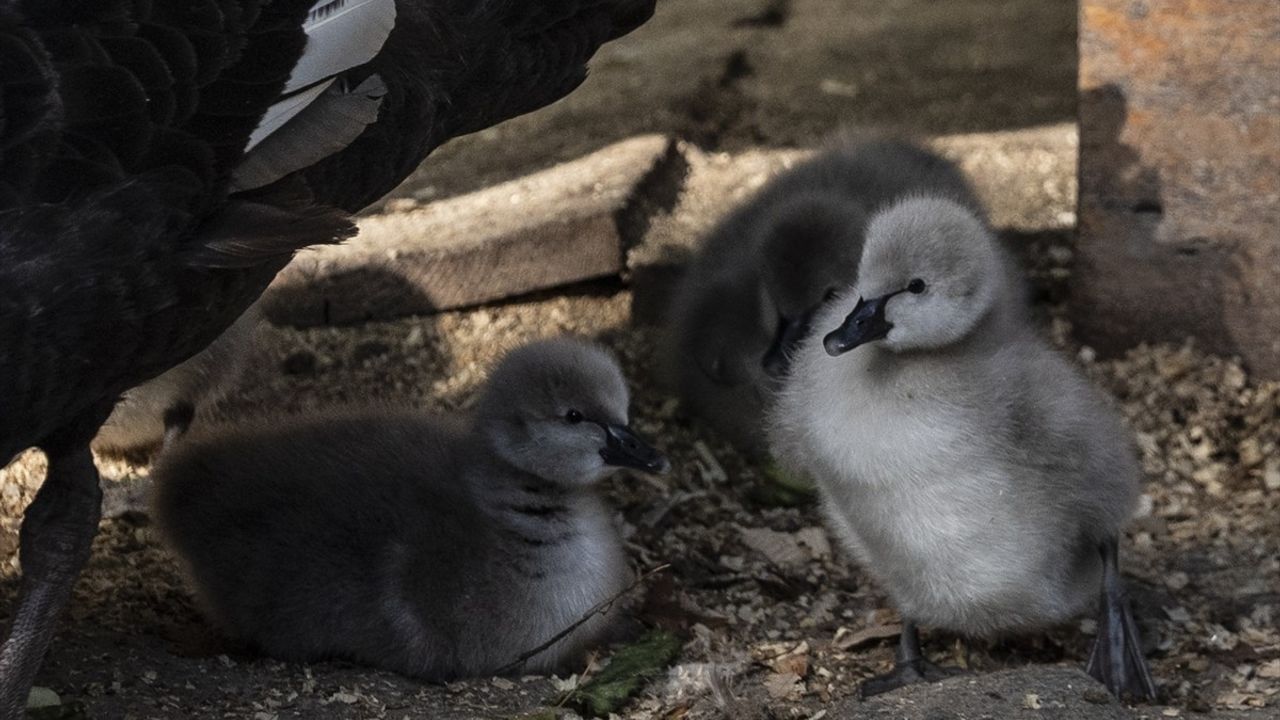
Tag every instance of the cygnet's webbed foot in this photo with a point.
(910, 666)
(1116, 660)
(902, 675)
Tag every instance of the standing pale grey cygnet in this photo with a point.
(749, 295)
(434, 547)
(161, 409)
(972, 470)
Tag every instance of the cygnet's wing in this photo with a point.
(1067, 439)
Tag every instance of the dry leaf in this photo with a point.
(782, 686)
(794, 664)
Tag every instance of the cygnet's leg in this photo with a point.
(909, 666)
(55, 542)
(177, 419)
(1117, 660)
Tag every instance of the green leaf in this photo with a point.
(631, 667)
(782, 488)
(41, 697)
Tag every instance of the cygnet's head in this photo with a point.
(558, 409)
(811, 246)
(930, 272)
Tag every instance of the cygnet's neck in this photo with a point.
(535, 509)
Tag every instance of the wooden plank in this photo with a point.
(559, 226)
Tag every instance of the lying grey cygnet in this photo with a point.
(434, 548)
(748, 297)
(973, 471)
(161, 409)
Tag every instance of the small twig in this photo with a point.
(657, 514)
(714, 471)
(598, 609)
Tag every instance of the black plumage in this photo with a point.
(125, 246)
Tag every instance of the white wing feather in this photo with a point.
(325, 127)
(280, 113)
(341, 34)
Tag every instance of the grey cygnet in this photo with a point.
(976, 474)
(160, 410)
(748, 297)
(432, 547)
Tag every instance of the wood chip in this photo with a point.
(785, 658)
(847, 639)
(711, 468)
(781, 549)
(1271, 476)
(815, 540)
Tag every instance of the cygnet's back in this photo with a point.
(433, 546)
(748, 296)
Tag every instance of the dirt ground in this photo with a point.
(778, 623)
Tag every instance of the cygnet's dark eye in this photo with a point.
(829, 295)
(916, 286)
(573, 416)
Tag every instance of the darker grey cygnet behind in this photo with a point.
(432, 547)
(747, 297)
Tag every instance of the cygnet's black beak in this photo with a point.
(777, 359)
(866, 322)
(624, 448)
